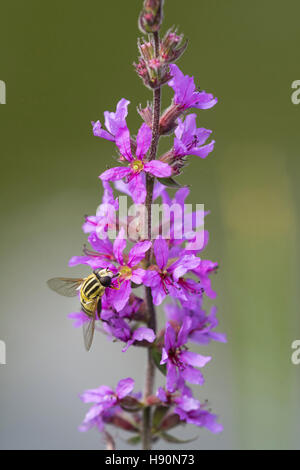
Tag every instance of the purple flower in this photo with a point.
(137, 165)
(118, 328)
(202, 325)
(113, 121)
(164, 278)
(180, 362)
(190, 140)
(186, 95)
(203, 270)
(127, 268)
(192, 411)
(104, 400)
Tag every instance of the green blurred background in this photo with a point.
(64, 63)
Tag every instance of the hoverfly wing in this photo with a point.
(88, 329)
(67, 287)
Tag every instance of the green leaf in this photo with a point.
(158, 415)
(134, 441)
(169, 182)
(156, 356)
(174, 440)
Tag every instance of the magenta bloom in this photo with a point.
(113, 121)
(165, 279)
(203, 270)
(190, 140)
(105, 399)
(118, 328)
(180, 362)
(136, 164)
(192, 411)
(202, 325)
(186, 95)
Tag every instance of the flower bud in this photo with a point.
(122, 423)
(131, 404)
(152, 400)
(171, 47)
(154, 71)
(151, 16)
(169, 422)
(168, 121)
(146, 114)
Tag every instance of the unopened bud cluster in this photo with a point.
(151, 16)
(153, 64)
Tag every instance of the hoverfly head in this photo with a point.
(104, 276)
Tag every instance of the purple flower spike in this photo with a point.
(180, 362)
(122, 258)
(186, 95)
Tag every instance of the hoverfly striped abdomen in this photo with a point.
(91, 287)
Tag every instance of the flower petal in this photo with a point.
(158, 294)
(137, 189)
(170, 337)
(119, 246)
(161, 252)
(143, 333)
(157, 168)
(184, 331)
(137, 252)
(172, 377)
(119, 298)
(99, 132)
(124, 387)
(194, 359)
(114, 174)
(114, 121)
(203, 151)
(123, 143)
(138, 275)
(180, 267)
(192, 375)
(143, 141)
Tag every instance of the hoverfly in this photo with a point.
(91, 291)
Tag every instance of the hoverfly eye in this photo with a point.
(105, 281)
